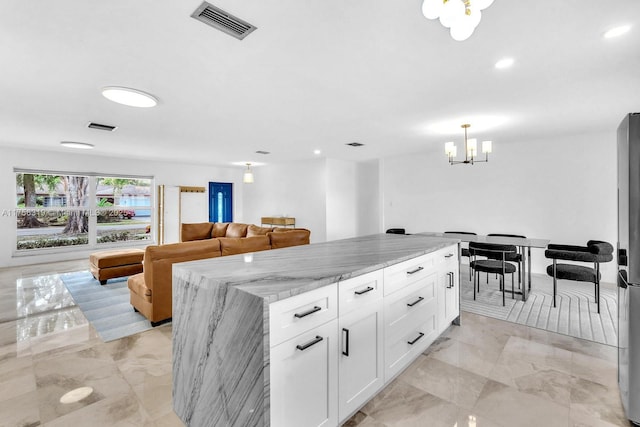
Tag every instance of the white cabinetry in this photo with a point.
(332, 349)
(304, 359)
(360, 364)
(448, 294)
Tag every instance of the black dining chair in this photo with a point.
(465, 251)
(396, 231)
(496, 263)
(517, 258)
(595, 252)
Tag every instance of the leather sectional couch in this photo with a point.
(151, 290)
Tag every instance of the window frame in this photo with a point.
(92, 208)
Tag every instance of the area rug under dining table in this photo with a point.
(575, 313)
(107, 306)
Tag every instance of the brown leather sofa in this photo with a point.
(151, 290)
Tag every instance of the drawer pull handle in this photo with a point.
(411, 304)
(448, 256)
(451, 280)
(315, 341)
(364, 291)
(308, 312)
(416, 270)
(346, 345)
(415, 340)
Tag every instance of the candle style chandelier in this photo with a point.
(470, 149)
(460, 16)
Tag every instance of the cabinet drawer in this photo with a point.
(409, 303)
(448, 254)
(292, 316)
(358, 291)
(407, 272)
(402, 349)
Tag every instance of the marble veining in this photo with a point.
(220, 318)
(282, 273)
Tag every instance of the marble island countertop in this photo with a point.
(278, 274)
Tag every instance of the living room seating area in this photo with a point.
(151, 290)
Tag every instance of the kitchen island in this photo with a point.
(306, 335)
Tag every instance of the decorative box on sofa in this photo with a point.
(151, 290)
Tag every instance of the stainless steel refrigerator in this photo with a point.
(629, 265)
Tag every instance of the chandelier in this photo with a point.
(470, 149)
(460, 16)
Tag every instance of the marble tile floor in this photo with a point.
(485, 373)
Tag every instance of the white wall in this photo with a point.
(164, 173)
(292, 189)
(562, 188)
(335, 199)
(342, 199)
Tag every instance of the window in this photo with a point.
(86, 210)
(220, 202)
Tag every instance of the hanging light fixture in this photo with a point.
(460, 16)
(248, 175)
(470, 149)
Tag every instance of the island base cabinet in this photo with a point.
(360, 366)
(304, 379)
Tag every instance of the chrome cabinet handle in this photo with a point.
(308, 312)
(412, 342)
(416, 270)
(451, 280)
(364, 291)
(411, 304)
(315, 341)
(346, 346)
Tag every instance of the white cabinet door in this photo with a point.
(361, 367)
(448, 295)
(304, 379)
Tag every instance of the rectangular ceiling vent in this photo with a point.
(355, 144)
(99, 126)
(262, 152)
(223, 21)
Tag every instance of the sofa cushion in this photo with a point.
(196, 231)
(254, 230)
(236, 229)
(219, 229)
(237, 245)
(293, 237)
(137, 285)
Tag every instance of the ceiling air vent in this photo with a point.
(355, 144)
(262, 152)
(223, 21)
(99, 126)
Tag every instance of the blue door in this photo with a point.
(220, 202)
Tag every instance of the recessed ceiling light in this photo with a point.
(617, 31)
(130, 97)
(504, 63)
(79, 145)
(317, 152)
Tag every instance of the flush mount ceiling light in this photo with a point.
(504, 63)
(76, 395)
(460, 16)
(470, 149)
(78, 145)
(617, 31)
(248, 175)
(130, 97)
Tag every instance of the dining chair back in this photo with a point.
(496, 263)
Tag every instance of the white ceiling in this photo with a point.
(316, 74)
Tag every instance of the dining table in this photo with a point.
(525, 245)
